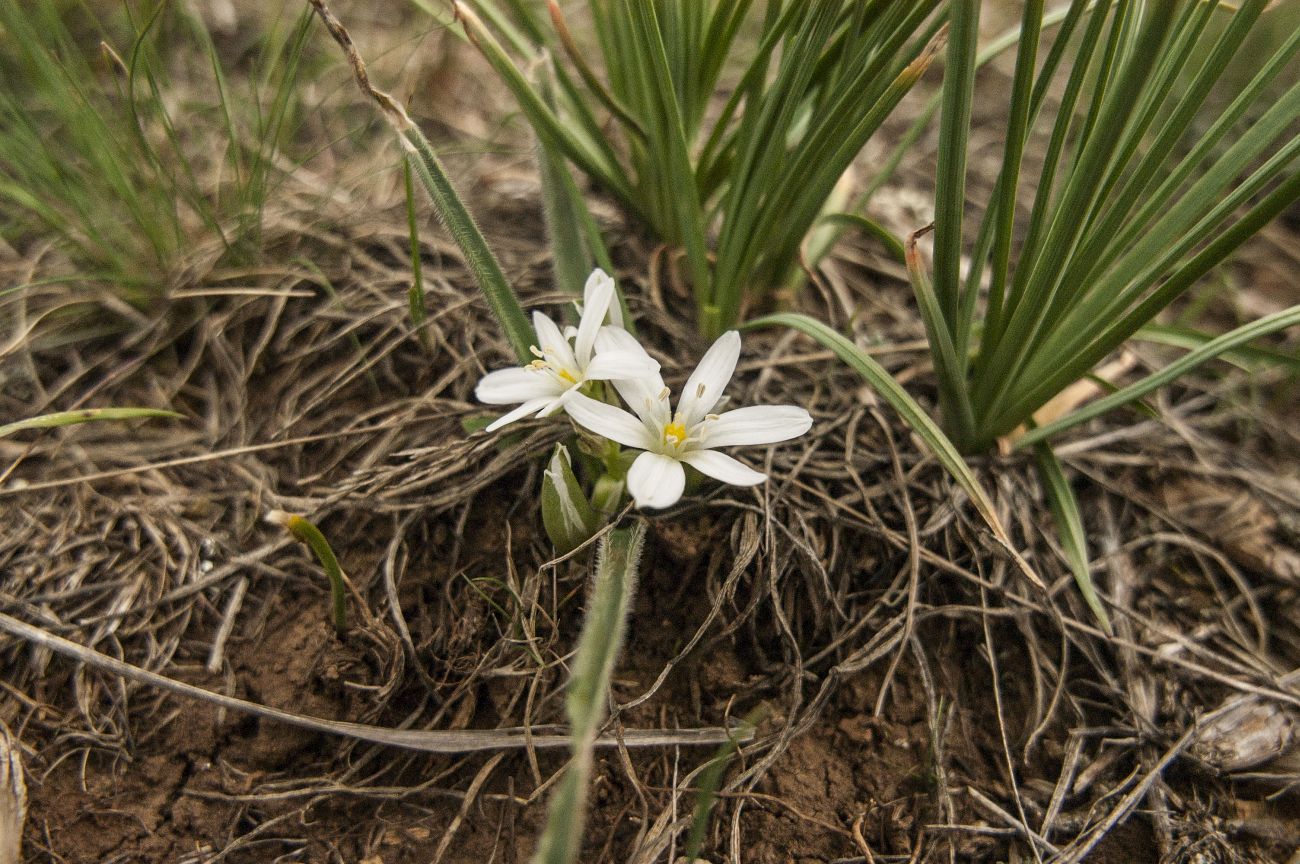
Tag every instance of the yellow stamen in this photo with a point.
(675, 434)
(539, 365)
(566, 375)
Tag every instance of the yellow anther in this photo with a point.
(675, 434)
(539, 365)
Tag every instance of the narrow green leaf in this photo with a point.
(570, 263)
(948, 364)
(592, 153)
(478, 256)
(1086, 348)
(676, 155)
(912, 413)
(415, 297)
(1079, 197)
(1069, 528)
(1007, 39)
(1189, 361)
(599, 646)
(482, 264)
(84, 415)
(872, 228)
(710, 779)
(1017, 135)
(954, 133)
(588, 77)
(306, 532)
(1246, 357)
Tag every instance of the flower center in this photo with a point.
(544, 365)
(675, 434)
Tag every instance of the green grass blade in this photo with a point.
(598, 649)
(710, 779)
(570, 263)
(1085, 348)
(306, 532)
(591, 153)
(599, 90)
(872, 228)
(1069, 528)
(1053, 159)
(478, 256)
(789, 207)
(1017, 135)
(1189, 361)
(1247, 358)
(948, 365)
(913, 414)
(482, 264)
(954, 134)
(84, 415)
(415, 297)
(1007, 39)
(671, 132)
(1080, 196)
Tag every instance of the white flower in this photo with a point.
(546, 384)
(690, 434)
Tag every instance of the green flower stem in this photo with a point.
(599, 647)
(304, 531)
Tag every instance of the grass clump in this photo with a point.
(128, 165)
(736, 184)
(1148, 183)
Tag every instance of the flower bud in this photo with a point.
(566, 513)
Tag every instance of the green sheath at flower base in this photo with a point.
(608, 493)
(568, 517)
(305, 532)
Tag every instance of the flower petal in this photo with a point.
(704, 388)
(595, 279)
(656, 480)
(518, 384)
(608, 421)
(518, 413)
(617, 365)
(595, 303)
(644, 393)
(557, 402)
(722, 467)
(552, 341)
(756, 424)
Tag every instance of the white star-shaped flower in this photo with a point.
(546, 384)
(691, 434)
